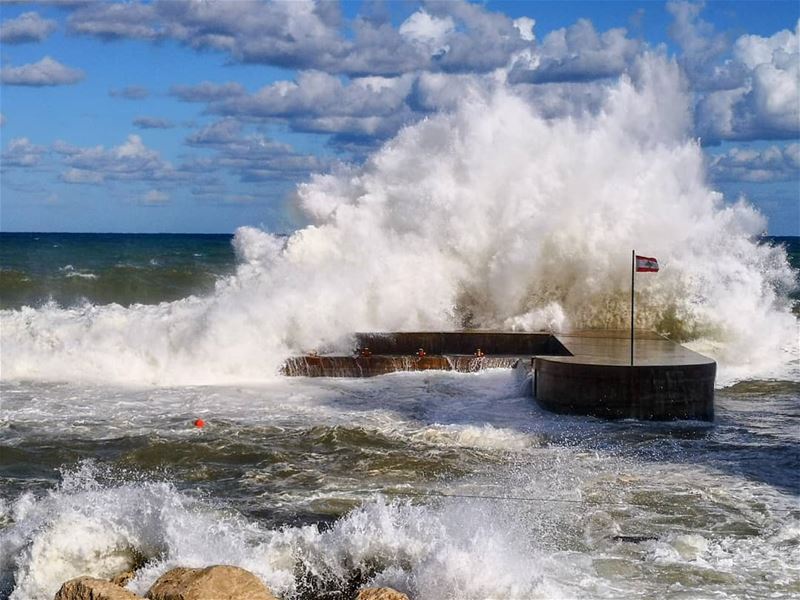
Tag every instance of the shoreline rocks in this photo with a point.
(90, 588)
(218, 582)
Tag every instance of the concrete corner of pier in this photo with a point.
(666, 381)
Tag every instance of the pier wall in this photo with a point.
(652, 392)
(582, 372)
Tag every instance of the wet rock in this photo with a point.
(89, 588)
(380, 594)
(219, 582)
(122, 579)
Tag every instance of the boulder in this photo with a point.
(89, 588)
(219, 582)
(380, 594)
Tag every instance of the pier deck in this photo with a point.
(579, 372)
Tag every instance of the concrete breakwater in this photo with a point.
(585, 372)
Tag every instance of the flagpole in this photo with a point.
(633, 271)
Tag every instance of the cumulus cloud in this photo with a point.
(701, 47)
(766, 102)
(207, 91)
(27, 27)
(746, 90)
(130, 161)
(253, 157)
(318, 102)
(20, 152)
(577, 53)
(452, 36)
(131, 92)
(770, 164)
(153, 123)
(43, 73)
(428, 31)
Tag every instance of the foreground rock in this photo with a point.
(212, 583)
(89, 588)
(380, 594)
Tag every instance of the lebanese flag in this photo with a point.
(645, 264)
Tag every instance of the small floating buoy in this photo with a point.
(199, 423)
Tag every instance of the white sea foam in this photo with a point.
(489, 216)
(69, 272)
(88, 528)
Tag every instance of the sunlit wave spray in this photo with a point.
(486, 216)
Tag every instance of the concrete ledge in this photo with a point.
(651, 392)
(579, 372)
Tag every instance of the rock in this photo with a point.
(122, 579)
(380, 594)
(220, 582)
(89, 588)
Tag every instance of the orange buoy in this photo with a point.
(199, 423)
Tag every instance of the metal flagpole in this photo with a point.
(633, 271)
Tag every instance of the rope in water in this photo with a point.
(522, 499)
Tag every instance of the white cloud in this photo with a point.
(81, 176)
(525, 27)
(20, 152)
(765, 103)
(155, 198)
(428, 31)
(253, 157)
(43, 73)
(131, 92)
(27, 27)
(131, 160)
(153, 123)
(304, 34)
(577, 53)
(207, 91)
(770, 164)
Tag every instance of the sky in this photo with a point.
(203, 116)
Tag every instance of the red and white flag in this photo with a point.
(645, 264)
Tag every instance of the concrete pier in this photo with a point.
(584, 372)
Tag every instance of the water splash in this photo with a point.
(487, 216)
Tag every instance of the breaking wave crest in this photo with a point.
(489, 216)
(89, 527)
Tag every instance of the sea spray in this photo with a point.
(88, 526)
(486, 216)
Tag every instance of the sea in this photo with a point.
(445, 486)
(439, 484)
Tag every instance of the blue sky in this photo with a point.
(202, 117)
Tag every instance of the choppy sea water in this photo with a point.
(443, 485)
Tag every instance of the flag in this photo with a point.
(645, 264)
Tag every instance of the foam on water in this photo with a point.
(88, 528)
(101, 523)
(487, 216)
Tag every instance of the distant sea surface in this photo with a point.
(133, 268)
(101, 268)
